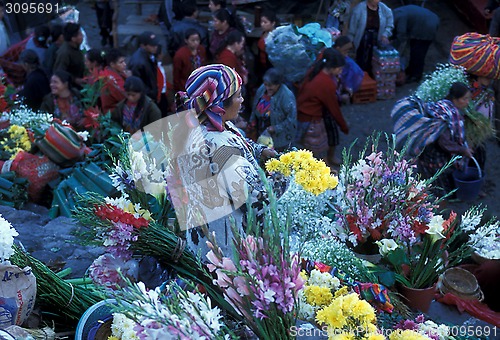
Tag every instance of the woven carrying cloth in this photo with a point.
(479, 54)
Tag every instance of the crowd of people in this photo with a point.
(135, 90)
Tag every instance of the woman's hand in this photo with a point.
(384, 40)
(467, 153)
(268, 153)
(270, 129)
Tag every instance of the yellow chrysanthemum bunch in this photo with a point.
(318, 296)
(18, 140)
(312, 174)
(346, 313)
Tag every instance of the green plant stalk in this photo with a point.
(71, 300)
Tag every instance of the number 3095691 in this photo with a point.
(32, 7)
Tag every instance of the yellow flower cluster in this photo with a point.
(18, 140)
(407, 334)
(312, 174)
(318, 296)
(349, 313)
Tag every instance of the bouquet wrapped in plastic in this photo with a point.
(292, 50)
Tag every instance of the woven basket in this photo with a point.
(460, 283)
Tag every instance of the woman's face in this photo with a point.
(271, 89)
(193, 42)
(213, 7)
(239, 47)
(233, 109)
(120, 65)
(219, 25)
(133, 97)
(346, 49)
(484, 81)
(90, 65)
(335, 71)
(266, 24)
(462, 102)
(57, 86)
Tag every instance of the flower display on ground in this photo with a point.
(419, 263)
(483, 239)
(407, 335)
(306, 213)
(381, 197)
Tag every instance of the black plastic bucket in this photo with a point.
(468, 183)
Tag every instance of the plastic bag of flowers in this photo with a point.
(18, 288)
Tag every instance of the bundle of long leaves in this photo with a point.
(55, 293)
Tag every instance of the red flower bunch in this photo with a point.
(112, 213)
(91, 118)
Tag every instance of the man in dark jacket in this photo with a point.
(143, 63)
(418, 27)
(69, 58)
(37, 83)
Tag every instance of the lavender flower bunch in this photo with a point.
(261, 281)
(381, 196)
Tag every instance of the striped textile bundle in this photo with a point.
(62, 145)
(413, 126)
(479, 54)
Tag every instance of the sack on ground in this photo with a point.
(38, 170)
(17, 294)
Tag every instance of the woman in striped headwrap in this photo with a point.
(450, 137)
(218, 167)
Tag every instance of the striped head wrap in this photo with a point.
(206, 89)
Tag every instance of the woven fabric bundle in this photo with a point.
(479, 54)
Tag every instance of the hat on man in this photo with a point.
(149, 38)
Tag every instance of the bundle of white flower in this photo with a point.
(484, 239)
(437, 85)
(176, 314)
(7, 234)
(437, 331)
(305, 212)
(24, 116)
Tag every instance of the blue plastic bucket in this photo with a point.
(468, 182)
